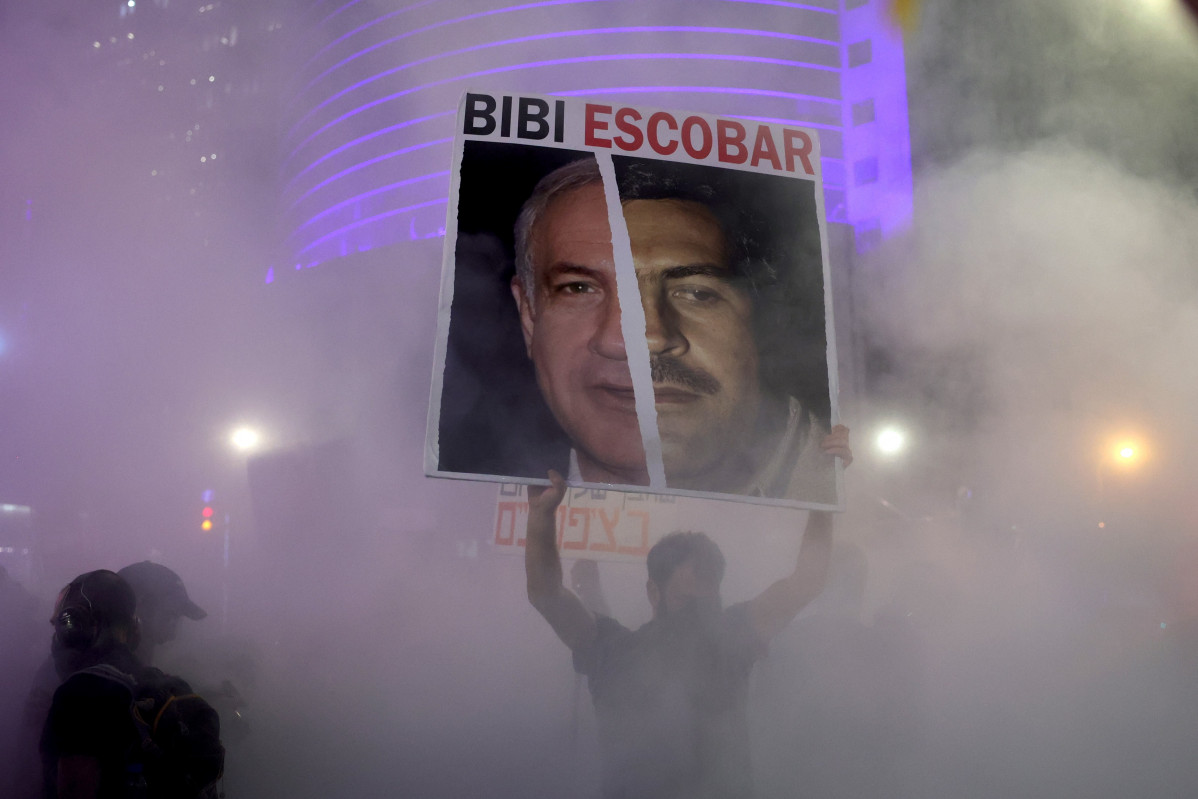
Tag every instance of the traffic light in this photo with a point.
(208, 512)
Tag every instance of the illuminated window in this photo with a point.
(860, 53)
(863, 112)
(865, 171)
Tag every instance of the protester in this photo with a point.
(88, 728)
(671, 697)
(161, 601)
(116, 728)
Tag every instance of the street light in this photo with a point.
(891, 441)
(1124, 453)
(245, 439)
(1119, 459)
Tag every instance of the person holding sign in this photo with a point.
(671, 697)
(718, 297)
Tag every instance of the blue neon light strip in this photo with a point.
(783, 121)
(363, 164)
(362, 140)
(570, 34)
(372, 193)
(549, 63)
(794, 37)
(348, 5)
(425, 29)
(372, 219)
(800, 6)
(352, 3)
(718, 90)
(697, 89)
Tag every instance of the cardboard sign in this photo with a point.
(638, 299)
(591, 523)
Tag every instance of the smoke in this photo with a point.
(1027, 587)
(1001, 645)
(1052, 294)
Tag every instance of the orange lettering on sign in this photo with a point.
(609, 532)
(505, 534)
(643, 547)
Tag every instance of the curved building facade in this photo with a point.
(370, 123)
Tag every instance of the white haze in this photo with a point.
(1001, 644)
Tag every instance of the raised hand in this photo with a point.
(545, 499)
(836, 443)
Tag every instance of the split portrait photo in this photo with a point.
(631, 320)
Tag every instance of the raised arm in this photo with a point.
(775, 607)
(564, 611)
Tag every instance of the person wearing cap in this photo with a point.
(161, 601)
(88, 729)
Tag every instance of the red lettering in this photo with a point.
(802, 150)
(763, 147)
(609, 530)
(660, 147)
(593, 124)
(688, 125)
(643, 547)
(731, 136)
(505, 534)
(585, 515)
(624, 119)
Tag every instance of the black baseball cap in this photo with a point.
(155, 584)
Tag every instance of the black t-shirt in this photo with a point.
(90, 716)
(671, 704)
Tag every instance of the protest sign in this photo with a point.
(591, 523)
(637, 298)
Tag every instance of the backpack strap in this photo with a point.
(110, 672)
(166, 704)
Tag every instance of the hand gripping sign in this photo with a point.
(636, 298)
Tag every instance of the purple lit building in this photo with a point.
(369, 127)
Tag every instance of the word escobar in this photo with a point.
(662, 133)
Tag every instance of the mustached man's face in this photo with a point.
(697, 328)
(701, 347)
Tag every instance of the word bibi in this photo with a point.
(636, 130)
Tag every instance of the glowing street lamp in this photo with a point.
(891, 441)
(245, 439)
(1125, 454)
(1119, 455)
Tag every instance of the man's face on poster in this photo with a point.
(697, 313)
